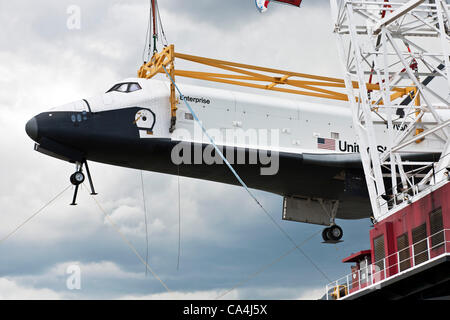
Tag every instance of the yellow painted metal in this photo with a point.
(154, 66)
(417, 103)
(338, 292)
(148, 70)
(253, 77)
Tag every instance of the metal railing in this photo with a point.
(393, 199)
(390, 266)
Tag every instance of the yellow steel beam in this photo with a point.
(252, 77)
(243, 72)
(216, 62)
(154, 66)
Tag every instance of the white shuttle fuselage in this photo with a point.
(300, 124)
(311, 149)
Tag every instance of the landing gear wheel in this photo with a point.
(335, 233)
(332, 234)
(77, 178)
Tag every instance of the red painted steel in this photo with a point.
(404, 221)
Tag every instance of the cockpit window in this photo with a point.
(125, 87)
(134, 87)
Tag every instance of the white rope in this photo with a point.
(179, 220)
(145, 219)
(34, 214)
(124, 238)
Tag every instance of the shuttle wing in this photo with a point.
(341, 160)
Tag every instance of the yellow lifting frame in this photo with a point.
(251, 76)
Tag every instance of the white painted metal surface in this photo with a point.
(298, 125)
(396, 44)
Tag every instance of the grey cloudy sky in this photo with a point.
(225, 235)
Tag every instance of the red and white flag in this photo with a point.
(327, 144)
(262, 5)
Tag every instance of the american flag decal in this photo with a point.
(328, 144)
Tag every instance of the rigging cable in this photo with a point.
(179, 220)
(148, 44)
(155, 26)
(34, 214)
(163, 34)
(155, 31)
(241, 181)
(145, 219)
(129, 244)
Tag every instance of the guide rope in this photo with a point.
(145, 219)
(129, 244)
(179, 220)
(34, 215)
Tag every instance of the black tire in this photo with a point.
(325, 234)
(335, 233)
(77, 178)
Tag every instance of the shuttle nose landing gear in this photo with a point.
(78, 178)
(332, 234)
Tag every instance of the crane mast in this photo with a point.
(403, 44)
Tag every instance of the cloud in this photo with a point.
(312, 294)
(101, 269)
(9, 290)
(259, 293)
(179, 295)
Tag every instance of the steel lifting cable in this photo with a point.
(163, 34)
(241, 181)
(129, 244)
(147, 44)
(34, 214)
(267, 266)
(158, 33)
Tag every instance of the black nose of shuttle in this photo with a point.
(32, 129)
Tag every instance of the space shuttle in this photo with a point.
(305, 152)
